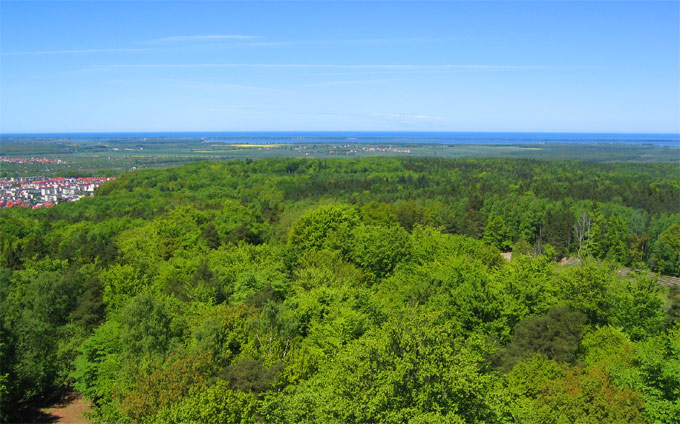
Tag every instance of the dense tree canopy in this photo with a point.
(368, 290)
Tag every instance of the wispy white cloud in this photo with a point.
(154, 45)
(353, 82)
(235, 41)
(198, 38)
(218, 86)
(159, 47)
(75, 51)
(413, 117)
(251, 40)
(382, 40)
(322, 66)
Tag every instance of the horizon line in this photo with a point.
(4, 133)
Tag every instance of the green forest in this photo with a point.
(350, 291)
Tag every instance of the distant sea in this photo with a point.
(280, 137)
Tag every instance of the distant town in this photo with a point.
(349, 148)
(42, 192)
(30, 160)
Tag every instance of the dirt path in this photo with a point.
(664, 280)
(69, 410)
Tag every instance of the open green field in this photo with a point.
(104, 157)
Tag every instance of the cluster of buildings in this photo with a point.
(30, 160)
(41, 192)
(345, 149)
(380, 149)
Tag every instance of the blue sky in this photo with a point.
(583, 66)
